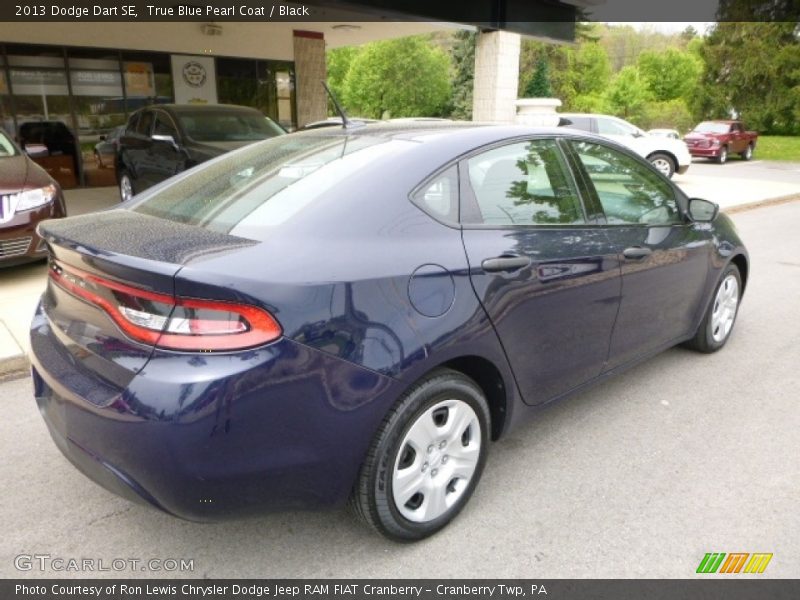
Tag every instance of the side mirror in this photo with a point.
(702, 211)
(166, 139)
(102, 138)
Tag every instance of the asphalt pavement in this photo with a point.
(638, 477)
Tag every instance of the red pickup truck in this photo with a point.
(719, 139)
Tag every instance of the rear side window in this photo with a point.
(526, 183)
(132, 123)
(439, 196)
(582, 123)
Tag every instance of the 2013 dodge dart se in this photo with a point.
(354, 314)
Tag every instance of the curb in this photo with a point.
(761, 203)
(14, 367)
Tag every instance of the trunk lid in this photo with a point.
(125, 249)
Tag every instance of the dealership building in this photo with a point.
(87, 77)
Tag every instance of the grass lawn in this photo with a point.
(778, 147)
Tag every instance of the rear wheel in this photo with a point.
(426, 458)
(748, 153)
(723, 155)
(125, 186)
(663, 163)
(717, 324)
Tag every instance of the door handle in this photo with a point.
(636, 252)
(505, 263)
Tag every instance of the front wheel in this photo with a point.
(748, 153)
(125, 186)
(717, 324)
(723, 155)
(664, 164)
(426, 458)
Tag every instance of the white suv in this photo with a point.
(666, 154)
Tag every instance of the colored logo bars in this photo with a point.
(713, 562)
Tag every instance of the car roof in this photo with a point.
(461, 134)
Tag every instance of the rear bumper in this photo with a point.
(681, 169)
(205, 437)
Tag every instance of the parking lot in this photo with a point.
(638, 477)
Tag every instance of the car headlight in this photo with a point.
(30, 199)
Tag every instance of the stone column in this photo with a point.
(310, 70)
(496, 76)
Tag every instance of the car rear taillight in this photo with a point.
(188, 324)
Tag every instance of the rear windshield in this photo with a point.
(263, 184)
(216, 126)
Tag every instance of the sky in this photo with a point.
(665, 27)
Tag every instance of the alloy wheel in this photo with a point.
(724, 311)
(125, 188)
(663, 166)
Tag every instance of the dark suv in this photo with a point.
(160, 141)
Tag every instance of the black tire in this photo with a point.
(372, 498)
(663, 163)
(704, 340)
(748, 153)
(723, 155)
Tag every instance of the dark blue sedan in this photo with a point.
(353, 315)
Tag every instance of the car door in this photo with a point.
(545, 273)
(665, 258)
(166, 158)
(738, 142)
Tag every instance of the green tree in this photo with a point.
(670, 114)
(539, 85)
(752, 70)
(338, 65)
(628, 94)
(592, 69)
(398, 78)
(670, 74)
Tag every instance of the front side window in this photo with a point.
(629, 191)
(526, 183)
(164, 126)
(145, 123)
